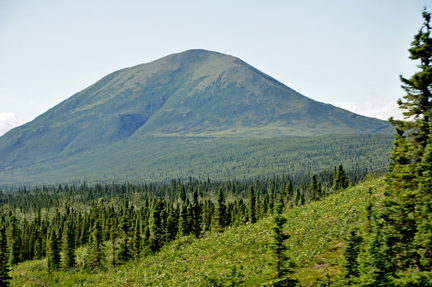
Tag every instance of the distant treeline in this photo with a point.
(162, 159)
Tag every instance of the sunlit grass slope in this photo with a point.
(317, 231)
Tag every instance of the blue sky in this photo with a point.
(347, 53)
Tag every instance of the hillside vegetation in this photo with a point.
(238, 254)
(161, 159)
(196, 96)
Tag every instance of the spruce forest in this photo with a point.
(309, 223)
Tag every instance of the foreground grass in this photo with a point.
(317, 231)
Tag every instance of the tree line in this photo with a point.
(119, 223)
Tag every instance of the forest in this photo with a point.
(149, 215)
(161, 159)
(104, 226)
(328, 228)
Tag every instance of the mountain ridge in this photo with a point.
(196, 93)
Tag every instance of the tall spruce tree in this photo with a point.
(156, 228)
(376, 264)
(53, 252)
(289, 189)
(208, 215)
(313, 188)
(68, 247)
(172, 225)
(182, 193)
(112, 236)
(196, 215)
(136, 240)
(95, 260)
(220, 212)
(4, 258)
(280, 265)
(183, 225)
(340, 179)
(350, 266)
(406, 215)
(257, 206)
(125, 252)
(14, 241)
(271, 197)
(252, 205)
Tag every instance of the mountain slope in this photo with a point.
(194, 93)
(162, 159)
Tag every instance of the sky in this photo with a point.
(346, 53)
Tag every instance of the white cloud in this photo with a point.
(376, 107)
(8, 121)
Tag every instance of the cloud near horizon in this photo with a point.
(8, 121)
(371, 106)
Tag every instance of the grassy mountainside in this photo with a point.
(317, 231)
(196, 93)
(157, 159)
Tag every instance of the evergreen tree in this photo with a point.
(319, 190)
(68, 247)
(14, 258)
(377, 265)
(280, 265)
(136, 240)
(4, 258)
(349, 266)
(173, 225)
(220, 212)
(271, 197)
(252, 213)
(38, 248)
(183, 225)
(156, 228)
(84, 232)
(125, 252)
(340, 179)
(297, 198)
(196, 215)
(53, 252)
(189, 217)
(208, 214)
(182, 193)
(264, 206)
(257, 206)
(242, 211)
(113, 236)
(407, 208)
(313, 188)
(95, 260)
(14, 242)
(302, 197)
(289, 189)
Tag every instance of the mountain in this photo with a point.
(196, 93)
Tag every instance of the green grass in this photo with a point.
(317, 231)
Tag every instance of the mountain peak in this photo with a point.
(192, 93)
(195, 53)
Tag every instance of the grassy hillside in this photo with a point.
(164, 158)
(317, 231)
